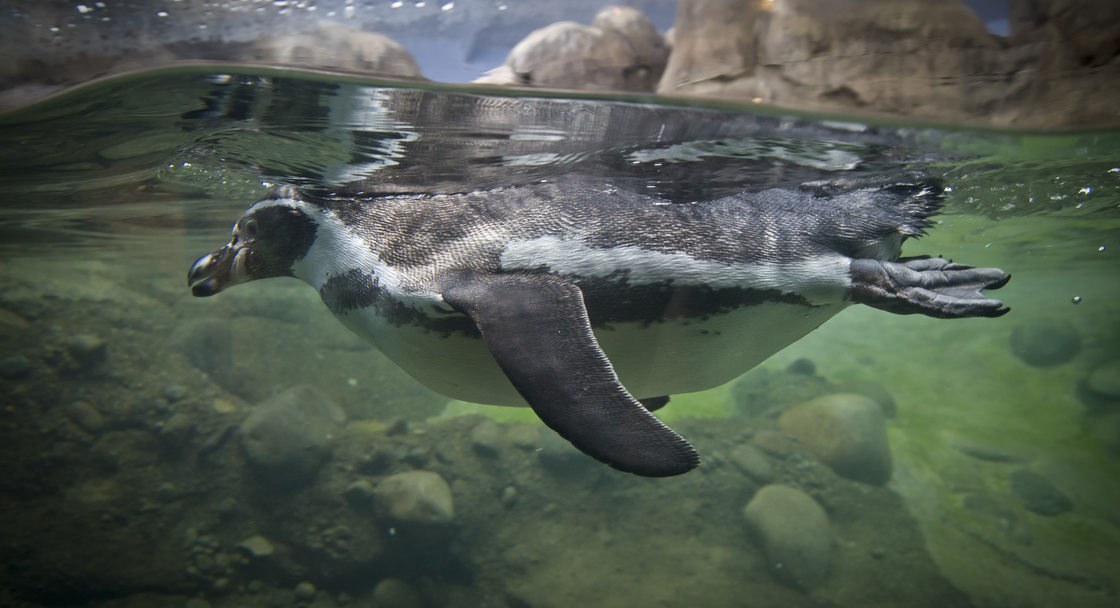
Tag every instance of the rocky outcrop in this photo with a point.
(620, 51)
(933, 60)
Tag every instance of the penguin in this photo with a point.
(592, 303)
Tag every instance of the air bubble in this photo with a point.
(1075, 299)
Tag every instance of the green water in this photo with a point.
(109, 193)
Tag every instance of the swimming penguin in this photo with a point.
(592, 303)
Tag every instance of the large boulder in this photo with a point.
(334, 46)
(794, 533)
(289, 436)
(620, 51)
(845, 431)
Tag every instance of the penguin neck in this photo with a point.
(339, 249)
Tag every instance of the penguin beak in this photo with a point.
(216, 271)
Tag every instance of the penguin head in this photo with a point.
(268, 239)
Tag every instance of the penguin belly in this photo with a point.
(669, 357)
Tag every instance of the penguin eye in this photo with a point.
(250, 228)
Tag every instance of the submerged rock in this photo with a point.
(395, 593)
(304, 591)
(88, 351)
(288, 437)
(414, 496)
(752, 462)
(208, 345)
(86, 417)
(846, 432)
(1038, 494)
(1105, 380)
(15, 366)
(255, 548)
(486, 438)
(795, 535)
(1045, 343)
(360, 494)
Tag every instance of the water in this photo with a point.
(122, 394)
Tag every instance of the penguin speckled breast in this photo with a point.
(591, 303)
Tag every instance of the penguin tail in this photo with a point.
(918, 202)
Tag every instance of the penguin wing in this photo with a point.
(537, 329)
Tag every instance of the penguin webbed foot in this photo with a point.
(934, 287)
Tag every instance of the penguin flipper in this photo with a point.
(537, 329)
(935, 287)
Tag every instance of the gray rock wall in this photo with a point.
(926, 59)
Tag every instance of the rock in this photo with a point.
(414, 496)
(802, 366)
(15, 366)
(197, 602)
(524, 436)
(395, 593)
(772, 442)
(486, 438)
(359, 494)
(794, 533)
(1038, 494)
(176, 431)
(255, 548)
(766, 394)
(288, 437)
(1045, 343)
(1105, 380)
(304, 592)
(208, 345)
(752, 462)
(846, 432)
(620, 51)
(88, 352)
(908, 57)
(829, 54)
(173, 393)
(334, 46)
(85, 416)
(509, 496)
(229, 508)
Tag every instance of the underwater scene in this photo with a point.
(248, 449)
